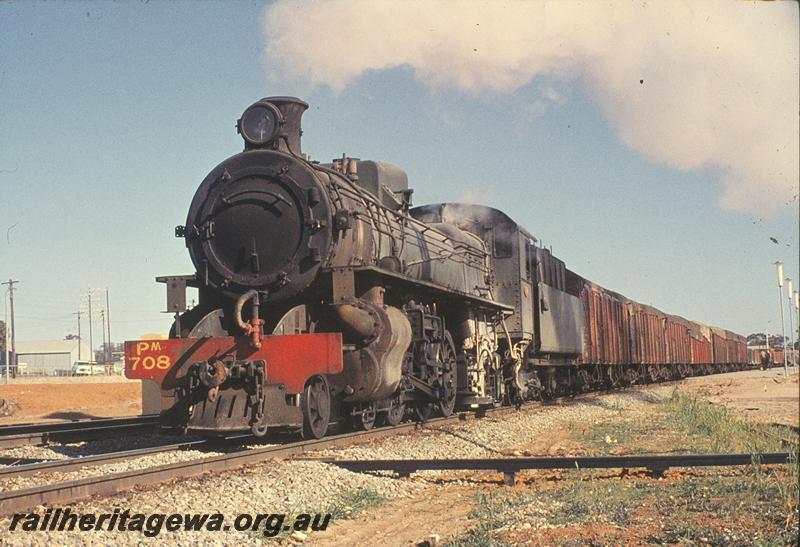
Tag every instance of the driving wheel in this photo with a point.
(447, 402)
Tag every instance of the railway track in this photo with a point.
(83, 462)
(107, 484)
(12, 436)
(14, 501)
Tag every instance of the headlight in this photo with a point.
(258, 123)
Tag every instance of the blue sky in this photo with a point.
(111, 115)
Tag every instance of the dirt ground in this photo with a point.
(448, 504)
(67, 399)
(764, 396)
(406, 522)
(684, 506)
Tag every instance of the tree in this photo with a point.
(776, 341)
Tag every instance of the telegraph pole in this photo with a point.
(791, 322)
(779, 266)
(108, 326)
(797, 311)
(5, 333)
(10, 284)
(80, 340)
(91, 345)
(103, 322)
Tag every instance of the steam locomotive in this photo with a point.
(327, 301)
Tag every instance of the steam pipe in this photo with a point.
(237, 310)
(357, 322)
(253, 328)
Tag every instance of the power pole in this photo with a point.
(91, 345)
(5, 335)
(791, 322)
(108, 326)
(80, 340)
(779, 266)
(103, 322)
(10, 284)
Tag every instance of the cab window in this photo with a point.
(503, 242)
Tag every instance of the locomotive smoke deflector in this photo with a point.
(273, 122)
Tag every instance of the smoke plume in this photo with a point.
(694, 85)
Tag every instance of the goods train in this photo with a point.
(327, 301)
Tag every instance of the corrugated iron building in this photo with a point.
(49, 357)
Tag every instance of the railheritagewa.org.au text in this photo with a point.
(153, 524)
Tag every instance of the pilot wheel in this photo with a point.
(316, 404)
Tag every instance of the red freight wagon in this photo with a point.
(618, 314)
(738, 347)
(702, 353)
(679, 349)
(606, 328)
(647, 335)
(719, 345)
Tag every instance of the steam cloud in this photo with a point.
(719, 81)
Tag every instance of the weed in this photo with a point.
(744, 505)
(350, 503)
(719, 428)
(492, 513)
(688, 533)
(723, 432)
(588, 500)
(603, 437)
(618, 407)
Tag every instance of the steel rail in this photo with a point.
(11, 429)
(15, 501)
(74, 464)
(655, 463)
(15, 435)
(22, 500)
(63, 492)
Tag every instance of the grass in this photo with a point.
(586, 499)
(724, 432)
(346, 505)
(605, 438)
(350, 503)
(683, 423)
(493, 513)
(720, 506)
(718, 429)
(691, 535)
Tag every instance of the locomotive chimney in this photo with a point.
(292, 110)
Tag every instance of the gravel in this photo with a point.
(275, 487)
(494, 436)
(62, 451)
(308, 486)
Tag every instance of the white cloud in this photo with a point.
(554, 95)
(694, 85)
